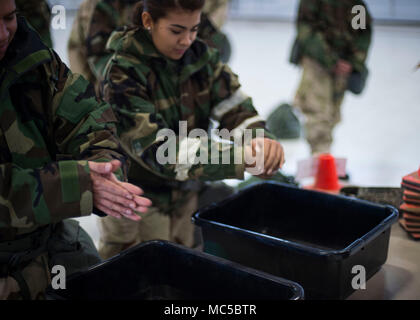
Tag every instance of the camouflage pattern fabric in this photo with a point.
(319, 97)
(214, 38)
(38, 14)
(120, 234)
(325, 36)
(325, 33)
(51, 124)
(150, 92)
(37, 275)
(217, 11)
(47, 115)
(97, 19)
(68, 246)
(77, 50)
(107, 16)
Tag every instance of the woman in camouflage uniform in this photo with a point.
(58, 158)
(97, 19)
(159, 75)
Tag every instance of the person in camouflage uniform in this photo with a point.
(38, 14)
(97, 19)
(212, 20)
(158, 76)
(330, 50)
(76, 46)
(58, 157)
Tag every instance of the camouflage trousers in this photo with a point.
(37, 276)
(319, 97)
(120, 234)
(68, 245)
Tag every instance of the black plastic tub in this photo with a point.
(159, 270)
(309, 237)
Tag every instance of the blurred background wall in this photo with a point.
(395, 11)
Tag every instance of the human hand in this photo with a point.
(343, 68)
(114, 197)
(268, 155)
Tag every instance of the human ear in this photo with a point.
(147, 20)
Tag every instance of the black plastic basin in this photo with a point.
(312, 238)
(159, 270)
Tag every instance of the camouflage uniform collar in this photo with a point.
(133, 42)
(138, 42)
(26, 52)
(25, 43)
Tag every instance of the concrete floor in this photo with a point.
(379, 133)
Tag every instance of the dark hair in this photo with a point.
(160, 8)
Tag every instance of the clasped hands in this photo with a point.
(113, 197)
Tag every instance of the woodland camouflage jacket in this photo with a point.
(50, 124)
(38, 14)
(326, 34)
(97, 19)
(150, 92)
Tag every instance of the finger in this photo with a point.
(121, 201)
(116, 164)
(108, 211)
(115, 206)
(127, 186)
(100, 167)
(142, 209)
(283, 160)
(132, 188)
(133, 216)
(270, 157)
(102, 184)
(128, 213)
(248, 158)
(282, 156)
(259, 145)
(118, 215)
(143, 202)
(254, 148)
(271, 160)
(259, 155)
(277, 161)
